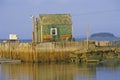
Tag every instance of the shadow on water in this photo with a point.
(29, 71)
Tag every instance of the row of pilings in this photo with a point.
(40, 52)
(57, 52)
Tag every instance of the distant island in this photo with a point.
(102, 34)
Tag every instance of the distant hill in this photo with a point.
(102, 34)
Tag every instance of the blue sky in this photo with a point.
(101, 15)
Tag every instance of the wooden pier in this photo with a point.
(55, 52)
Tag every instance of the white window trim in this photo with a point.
(55, 31)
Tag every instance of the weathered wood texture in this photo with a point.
(57, 51)
(42, 52)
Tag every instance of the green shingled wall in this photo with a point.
(61, 30)
(63, 24)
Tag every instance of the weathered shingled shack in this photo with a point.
(52, 27)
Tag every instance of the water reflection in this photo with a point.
(28, 71)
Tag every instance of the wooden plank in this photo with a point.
(65, 36)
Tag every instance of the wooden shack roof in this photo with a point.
(48, 19)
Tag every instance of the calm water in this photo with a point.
(29, 71)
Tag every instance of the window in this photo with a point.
(53, 31)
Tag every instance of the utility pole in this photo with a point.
(87, 36)
(34, 39)
(34, 32)
(33, 29)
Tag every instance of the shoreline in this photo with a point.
(71, 52)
